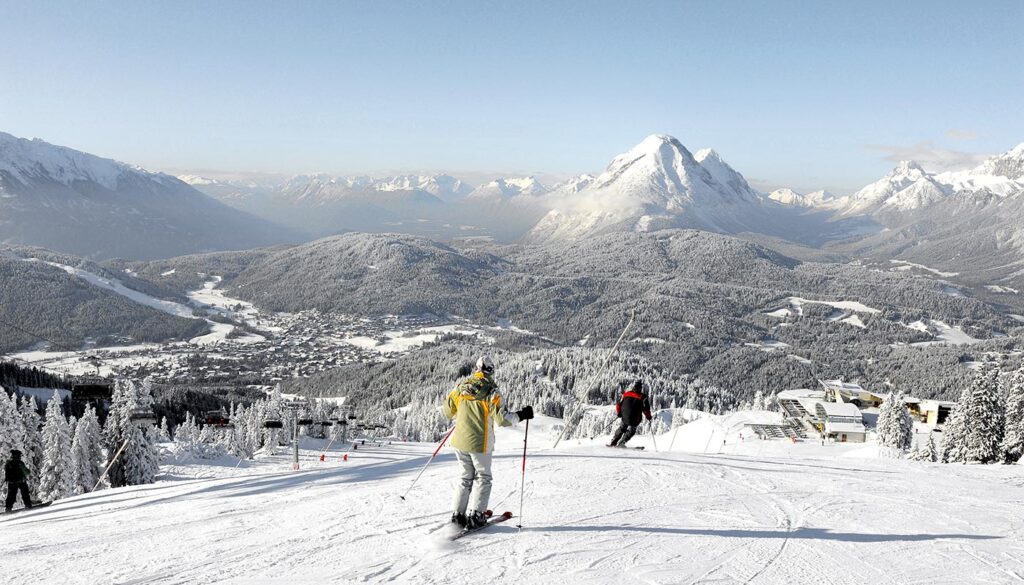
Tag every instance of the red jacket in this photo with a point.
(630, 406)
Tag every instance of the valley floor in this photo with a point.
(794, 514)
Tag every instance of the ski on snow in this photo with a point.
(493, 520)
(33, 507)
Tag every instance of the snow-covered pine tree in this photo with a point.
(139, 461)
(87, 459)
(144, 462)
(275, 411)
(1013, 435)
(926, 450)
(759, 401)
(975, 432)
(32, 445)
(163, 432)
(11, 433)
(56, 476)
(895, 425)
(188, 431)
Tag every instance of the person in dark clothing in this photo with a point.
(629, 408)
(16, 476)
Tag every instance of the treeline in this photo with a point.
(41, 302)
(553, 381)
(13, 375)
(67, 455)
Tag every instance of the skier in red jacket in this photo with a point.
(629, 408)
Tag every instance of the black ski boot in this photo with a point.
(459, 519)
(476, 520)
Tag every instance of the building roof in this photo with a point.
(799, 393)
(844, 386)
(829, 409)
(845, 428)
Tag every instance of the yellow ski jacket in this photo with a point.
(475, 404)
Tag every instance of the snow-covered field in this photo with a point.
(758, 512)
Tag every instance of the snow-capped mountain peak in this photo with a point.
(656, 184)
(574, 184)
(788, 197)
(28, 161)
(1010, 164)
(509, 187)
(444, 186)
(906, 187)
(908, 169)
(726, 175)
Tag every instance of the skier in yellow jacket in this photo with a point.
(476, 405)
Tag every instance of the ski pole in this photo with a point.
(436, 451)
(522, 482)
(565, 426)
(111, 464)
(653, 438)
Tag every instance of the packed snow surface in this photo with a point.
(748, 511)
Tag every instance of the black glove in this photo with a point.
(526, 413)
(649, 419)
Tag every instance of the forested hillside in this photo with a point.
(39, 301)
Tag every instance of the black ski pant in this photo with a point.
(12, 493)
(624, 433)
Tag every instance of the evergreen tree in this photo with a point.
(975, 432)
(931, 450)
(139, 461)
(1013, 435)
(87, 459)
(895, 426)
(11, 433)
(143, 461)
(56, 476)
(163, 433)
(32, 446)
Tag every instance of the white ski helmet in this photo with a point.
(485, 365)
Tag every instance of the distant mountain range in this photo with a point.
(71, 201)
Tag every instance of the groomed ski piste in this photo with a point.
(719, 507)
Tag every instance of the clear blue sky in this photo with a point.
(808, 94)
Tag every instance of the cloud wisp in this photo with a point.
(931, 156)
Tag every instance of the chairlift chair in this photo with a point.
(217, 418)
(92, 389)
(273, 424)
(143, 416)
(326, 423)
(305, 421)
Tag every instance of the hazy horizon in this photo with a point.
(806, 97)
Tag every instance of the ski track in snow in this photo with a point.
(592, 515)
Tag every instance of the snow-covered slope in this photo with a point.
(36, 161)
(71, 201)
(748, 511)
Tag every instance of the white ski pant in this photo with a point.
(475, 469)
